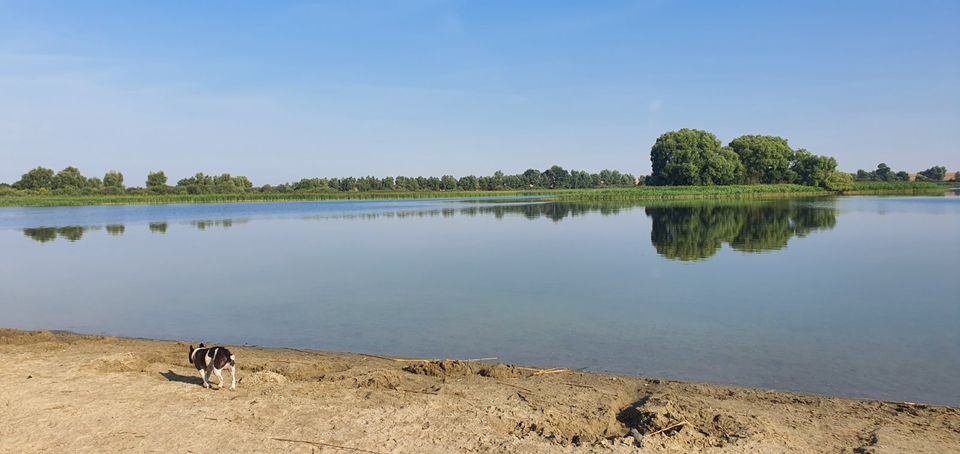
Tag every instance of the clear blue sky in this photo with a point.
(279, 90)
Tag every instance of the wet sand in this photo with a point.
(62, 392)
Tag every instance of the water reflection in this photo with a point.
(75, 232)
(680, 230)
(115, 229)
(45, 234)
(41, 234)
(697, 231)
(222, 223)
(555, 211)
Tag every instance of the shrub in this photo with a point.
(838, 181)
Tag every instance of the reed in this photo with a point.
(695, 192)
(634, 193)
(81, 200)
(897, 187)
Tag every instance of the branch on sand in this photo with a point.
(326, 445)
(681, 423)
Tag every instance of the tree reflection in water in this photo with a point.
(697, 231)
(76, 232)
(681, 230)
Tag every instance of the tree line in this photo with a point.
(885, 173)
(696, 157)
(679, 158)
(70, 181)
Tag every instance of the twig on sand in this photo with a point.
(420, 360)
(309, 352)
(418, 391)
(681, 423)
(514, 386)
(492, 358)
(289, 362)
(326, 445)
(551, 371)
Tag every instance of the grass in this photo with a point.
(81, 200)
(636, 193)
(897, 187)
(692, 192)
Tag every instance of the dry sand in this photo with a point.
(62, 392)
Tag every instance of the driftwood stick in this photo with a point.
(418, 391)
(551, 371)
(514, 386)
(326, 445)
(309, 352)
(681, 423)
(419, 360)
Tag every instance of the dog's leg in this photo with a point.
(203, 376)
(233, 377)
(219, 378)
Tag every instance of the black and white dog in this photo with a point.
(214, 359)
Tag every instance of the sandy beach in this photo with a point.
(63, 392)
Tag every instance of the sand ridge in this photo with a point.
(63, 392)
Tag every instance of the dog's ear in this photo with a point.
(201, 345)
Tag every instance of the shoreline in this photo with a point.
(65, 391)
(639, 193)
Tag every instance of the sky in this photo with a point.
(281, 90)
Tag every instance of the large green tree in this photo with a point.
(838, 181)
(693, 157)
(555, 177)
(114, 180)
(69, 178)
(448, 183)
(532, 178)
(766, 159)
(884, 173)
(156, 181)
(935, 173)
(721, 167)
(37, 178)
(469, 183)
(812, 170)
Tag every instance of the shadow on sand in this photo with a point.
(173, 376)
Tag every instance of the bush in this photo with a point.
(838, 181)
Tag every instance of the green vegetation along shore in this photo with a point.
(686, 164)
(632, 193)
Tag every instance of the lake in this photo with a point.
(851, 296)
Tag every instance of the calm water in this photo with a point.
(850, 296)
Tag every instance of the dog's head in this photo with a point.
(191, 350)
